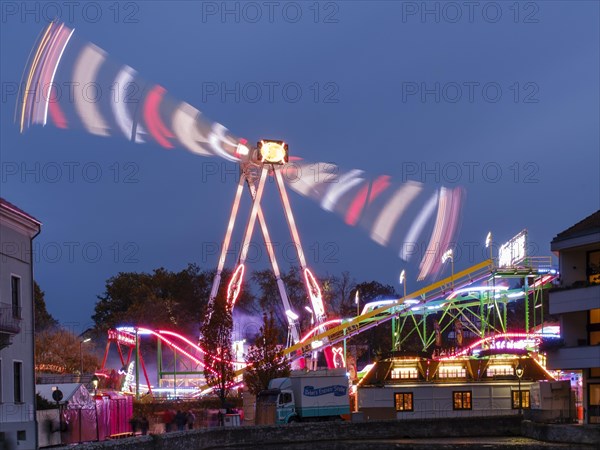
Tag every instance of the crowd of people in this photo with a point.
(178, 420)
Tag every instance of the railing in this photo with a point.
(529, 263)
(10, 319)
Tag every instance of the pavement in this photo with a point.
(421, 444)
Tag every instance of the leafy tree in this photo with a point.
(58, 350)
(43, 319)
(337, 292)
(378, 339)
(265, 358)
(216, 336)
(161, 299)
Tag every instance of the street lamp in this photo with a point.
(448, 255)
(488, 244)
(403, 282)
(519, 373)
(95, 381)
(357, 302)
(81, 353)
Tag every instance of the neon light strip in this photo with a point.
(235, 286)
(481, 341)
(176, 347)
(316, 328)
(200, 349)
(314, 293)
(32, 71)
(477, 289)
(54, 74)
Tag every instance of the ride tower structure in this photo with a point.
(270, 157)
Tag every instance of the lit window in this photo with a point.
(593, 266)
(403, 401)
(525, 403)
(461, 400)
(500, 370)
(404, 372)
(452, 372)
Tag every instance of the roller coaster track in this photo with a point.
(430, 298)
(427, 300)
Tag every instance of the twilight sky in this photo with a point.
(502, 100)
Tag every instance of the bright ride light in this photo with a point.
(273, 152)
(291, 315)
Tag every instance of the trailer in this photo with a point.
(319, 395)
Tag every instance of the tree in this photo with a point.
(337, 290)
(43, 319)
(161, 299)
(58, 351)
(378, 339)
(265, 358)
(216, 336)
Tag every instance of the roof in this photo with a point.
(15, 209)
(589, 225)
(68, 389)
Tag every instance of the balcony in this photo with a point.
(10, 319)
(573, 358)
(572, 300)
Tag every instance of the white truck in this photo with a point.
(305, 396)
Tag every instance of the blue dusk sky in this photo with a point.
(500, 98)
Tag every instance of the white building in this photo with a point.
(17, 381)
(404, 387)
(577, 301)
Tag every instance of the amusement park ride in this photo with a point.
(393, 214)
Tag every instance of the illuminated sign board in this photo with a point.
(513, 252)
(121, 337)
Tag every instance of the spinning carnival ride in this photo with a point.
(110, 99)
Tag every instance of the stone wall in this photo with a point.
(571, 434)
(318, 432)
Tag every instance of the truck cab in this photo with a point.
(286, 408)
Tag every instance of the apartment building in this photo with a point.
(17, 383)
(577, 301)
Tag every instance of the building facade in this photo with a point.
(577, 301)
(422, 388)
(17, 382)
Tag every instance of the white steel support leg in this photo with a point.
(290, 218)
(227, 240)
(235, 285)
(312, 286)
(293, 331)
(253, 214)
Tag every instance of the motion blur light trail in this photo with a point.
(107, 98)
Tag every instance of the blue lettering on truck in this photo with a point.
(338, 390)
